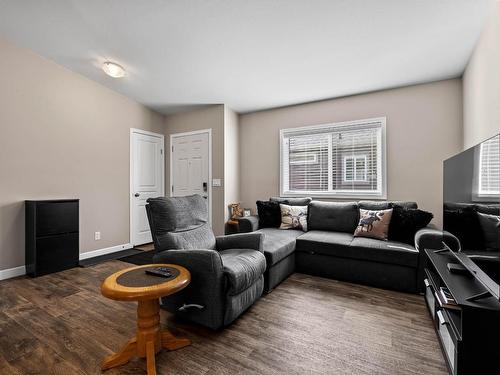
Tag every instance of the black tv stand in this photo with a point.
(469, 334)
(477, 297)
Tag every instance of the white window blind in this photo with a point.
(489, 169)
(345, 159)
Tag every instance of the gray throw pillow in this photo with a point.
(490, 225)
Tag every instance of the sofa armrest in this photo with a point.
(240, 241)
(431, 238)
(203, 300)
(248, 224)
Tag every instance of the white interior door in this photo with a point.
(147, 180)
(190, 165)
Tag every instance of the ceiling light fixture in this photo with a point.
(113, 69)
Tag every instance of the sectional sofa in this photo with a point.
(329, 249)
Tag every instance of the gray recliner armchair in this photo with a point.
(226, 271)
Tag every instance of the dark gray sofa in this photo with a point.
(329, 249)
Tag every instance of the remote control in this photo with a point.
(159, 271)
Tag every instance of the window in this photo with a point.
(355, 168)
(342, 160)
(489, 168)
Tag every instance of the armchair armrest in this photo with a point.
(248, 224)
(202, 301)
(241, 241)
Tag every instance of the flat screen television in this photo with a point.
(471, 210)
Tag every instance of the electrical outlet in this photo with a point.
(97, 236)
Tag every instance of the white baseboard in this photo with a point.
(21, 270)
(12, 272)
(106, 250)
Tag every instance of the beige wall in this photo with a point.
(63, 136)
(424, 127)
(206, 118)
(481, 85)
(231, 159)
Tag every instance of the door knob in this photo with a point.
(136, 195)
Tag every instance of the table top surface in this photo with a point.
(133, 284)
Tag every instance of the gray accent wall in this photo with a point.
(63, 136)
(424, 127)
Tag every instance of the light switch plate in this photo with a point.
(216, 182)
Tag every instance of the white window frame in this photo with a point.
(354, 158)
(340, 193)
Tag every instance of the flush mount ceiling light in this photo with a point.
(113, 69)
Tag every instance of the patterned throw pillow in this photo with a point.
(293, 217)
(373, 224)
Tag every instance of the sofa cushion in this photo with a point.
(346, 246)
(390, 252)
(242, 267)
(322, 242)
(333, 216)
(292, 201)
(384, 205)
(278, 244)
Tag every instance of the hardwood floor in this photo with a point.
(61, 324)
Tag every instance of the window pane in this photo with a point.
(359, 145)
(308, 163)
(349, 169)
(360, 168)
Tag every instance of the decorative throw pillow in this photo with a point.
(405, 222)
(269, 214)
(373, 224)
(463, 221)
(293, 217)
(490, 224)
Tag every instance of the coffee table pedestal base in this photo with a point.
(150, 339)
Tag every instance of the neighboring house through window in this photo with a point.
(341, 160)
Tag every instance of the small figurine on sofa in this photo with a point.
(236, 212)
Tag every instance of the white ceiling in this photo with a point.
(249, 54)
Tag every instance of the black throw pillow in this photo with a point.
(490, 224)
(463, 222)
(269, 214)
(405, 222)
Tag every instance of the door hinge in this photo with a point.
(172, 188)
(161, 151)
(172, 148)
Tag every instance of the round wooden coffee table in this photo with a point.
(133, 284)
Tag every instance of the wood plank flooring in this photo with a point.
(61, 324)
